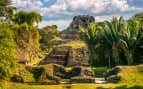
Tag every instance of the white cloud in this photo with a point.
(62, 24)
(61, 9)
(30, 5)
(93, 6)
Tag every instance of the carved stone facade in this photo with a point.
(67, 56)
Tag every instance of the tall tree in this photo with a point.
(112, 39)
(133, 38)
(90, 36)
(5, 2)
(49, 38)
(6, 11)
(27, 39)
(27, 17)
(8, 49)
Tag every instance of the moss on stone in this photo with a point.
(74, 44)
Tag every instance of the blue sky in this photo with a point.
(61, 12)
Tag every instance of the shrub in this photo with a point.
(114, 78)
(8, 48)
(2, 72)
(113, 71)
(17, 78)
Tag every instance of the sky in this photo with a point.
(61, 12)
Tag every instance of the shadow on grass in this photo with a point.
(123, 87)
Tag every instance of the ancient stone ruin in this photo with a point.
(71, 33)
(83, 21)
(66, 56)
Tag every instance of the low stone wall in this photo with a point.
(82, 80)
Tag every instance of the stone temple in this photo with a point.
(67, 56)
(71, 33)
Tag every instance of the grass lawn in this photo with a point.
(131, 78)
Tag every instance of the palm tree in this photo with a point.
(132, 37)
(112, 39)
(35, 17)
(90, 36)
(138, 17)
(121, 39)
(27, 17)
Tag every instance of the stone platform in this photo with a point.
(67, 56)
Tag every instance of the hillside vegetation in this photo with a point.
(109, 44)
(131, 78)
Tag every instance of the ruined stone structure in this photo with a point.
(67, 56)
(71, 33)
(83, 20)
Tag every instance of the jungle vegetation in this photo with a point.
(110, 43)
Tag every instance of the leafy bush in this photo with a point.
(8, 54)
(17, 78)
(114, 78)
(113, 71)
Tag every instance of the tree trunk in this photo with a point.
(91, 55)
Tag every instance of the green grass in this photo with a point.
(28, 77)
(74, 44)
(100, 70)
(9, 85)
(132, 78)
(67, 69)
(132, 75)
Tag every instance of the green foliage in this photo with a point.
(118, 42)
(131, 75)
(100, 70)
(6, 11)
(5, 2)
(112, 40)
(49, 38)
(74, 44)
(7, 50)
(90, 35)
(27, 17)
(27, 39)
(24, 73)
(38, 72)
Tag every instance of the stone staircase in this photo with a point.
(67, 56)
(57, 56)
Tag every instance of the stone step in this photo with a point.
(99, 75)
(100, 80)
(65, 81)
(56, 59)
(57, 62)
(59, 52)
(59, 55)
